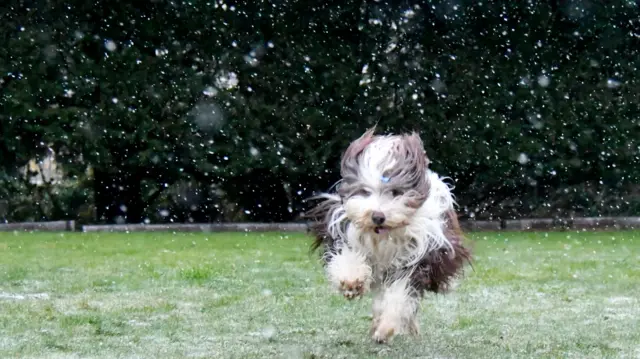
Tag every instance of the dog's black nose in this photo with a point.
(377, 217)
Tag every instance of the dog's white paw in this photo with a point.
(349, 273)
(352, 288)
(383, 330)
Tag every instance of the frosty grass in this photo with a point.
(555, 295)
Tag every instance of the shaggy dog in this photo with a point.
(389, 228)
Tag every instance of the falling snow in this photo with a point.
(110, 45)
(523, 158)
(544, 80)
(179, 104)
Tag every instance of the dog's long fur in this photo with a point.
(417, 249)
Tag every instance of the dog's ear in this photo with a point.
(415, 144)
(349, 163)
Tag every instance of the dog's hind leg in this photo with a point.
(349, 272)
(395, 311)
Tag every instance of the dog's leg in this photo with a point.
(349, 272)
(397, 308)
(376, 309)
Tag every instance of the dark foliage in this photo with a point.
(530, 107)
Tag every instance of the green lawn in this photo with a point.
(556, 295)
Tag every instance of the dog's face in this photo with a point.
(383, 181)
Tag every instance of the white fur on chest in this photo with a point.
(384, 252)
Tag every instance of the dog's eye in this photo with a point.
(397, 193)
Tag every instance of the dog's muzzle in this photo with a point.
(377, 218)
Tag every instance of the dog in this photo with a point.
(389, 227)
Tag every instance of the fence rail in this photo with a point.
(202, 227)
(55, 226)
(533, 224)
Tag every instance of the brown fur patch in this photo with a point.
(408, 175)
(354, 150)
(437, 269)
(350, 161)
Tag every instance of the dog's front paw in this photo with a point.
(352, 289)
(383, 331)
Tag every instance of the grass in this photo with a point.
(542, 295)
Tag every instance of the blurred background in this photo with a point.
(208, 111)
